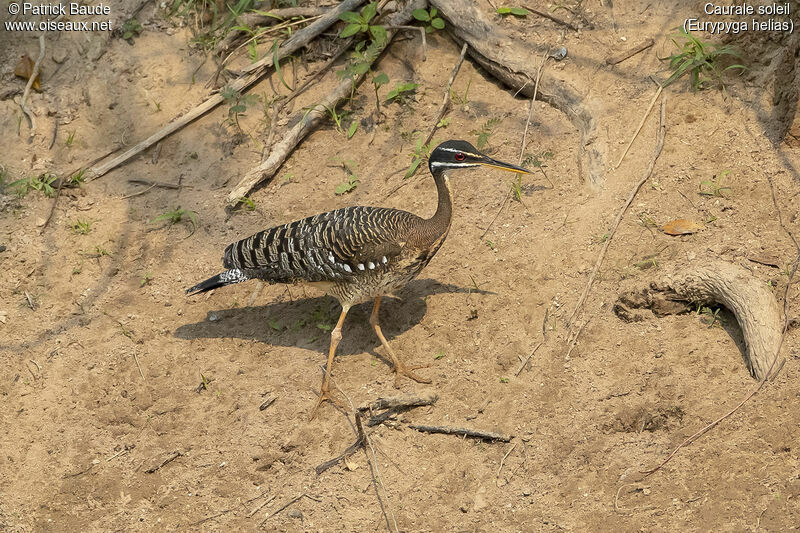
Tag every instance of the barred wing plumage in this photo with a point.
(332, 246)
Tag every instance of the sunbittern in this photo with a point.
(354, 253)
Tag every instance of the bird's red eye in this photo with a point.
(460, 156)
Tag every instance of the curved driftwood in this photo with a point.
(716, 281)
(515, 64)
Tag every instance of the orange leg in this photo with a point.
(336, 336)
(399, 367)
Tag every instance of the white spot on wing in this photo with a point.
(383, 260)
(371, 265)
(361, 266)
(347, 268)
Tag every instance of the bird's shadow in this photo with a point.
(307, 322)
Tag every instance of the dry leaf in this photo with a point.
(24, 69)
(681, 226)
(350, 466)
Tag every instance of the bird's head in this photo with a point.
(452, 155)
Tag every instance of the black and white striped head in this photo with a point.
(452, 155)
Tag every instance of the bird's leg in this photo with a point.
(399, 367)
(336, 336)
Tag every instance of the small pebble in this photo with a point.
(294, 513)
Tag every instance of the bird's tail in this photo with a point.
(229, 277)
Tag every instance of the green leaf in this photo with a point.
(437, 23)
(421, 15)
(350, 29)
(413, 168)
(277, 64)
(519, 11)
(503, 10)
(369, 11)
(352, 130)
(349, 16)
(434, 11)
(380, 79)
(378, 33)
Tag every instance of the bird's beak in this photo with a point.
(493, 163)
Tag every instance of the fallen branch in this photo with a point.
(163, 185)
(396, 404)
(662, 128)
(259, 19)
(557, 20)
(311, 120)
(485, 435)
(256, 71)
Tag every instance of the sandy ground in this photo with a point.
(128, 406)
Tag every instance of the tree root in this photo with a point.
(510, 62)
(715, 281)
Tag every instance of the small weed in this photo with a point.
(274, 325)
(43, 183)
(237, 103)
(247, 202)
(177, 215)
(443, 123)
(378, 81)
(700, 60)
(516, 11)
(130, 29)
(516, 189)
(421, 152)
(461, 100)
(603, 238)
(360, 23)
(77, 179)
(438, 355)
(82, 227)
(147, 278)
(537, 160)
(714, 187)
(485, 132)
(490, 244)
(713, 314)
(100, 252)
(77, 270)
(70, 139)
(431, 18)
(504, 380)
(352, 179)
(402, 92)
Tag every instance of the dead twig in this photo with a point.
(34, 74)
(161, 184)
(138, 193)
(136, 359)
(557, 20)
(213, 516)
(257, 509)
(502, 461)
(627, 54)
(158, 463)
(656, 152)
(255, 72)
(473, 433)
(287, 504)
(768, 375)
(396, 404)
(641, 123)
(544, 338)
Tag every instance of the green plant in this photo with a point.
(516, 11)
(177, 215)
(438, 355)
(433, 21)
(148, 276)
(490, 244)
(378, 81)
(130, 29)
(70, 139)
(82, 227)
(443, 123)
(237, 103)
(485, 132)
(76, 180)
(352, 179)
(700, 60)
(516, 189)
(714, 187)
(247, 202)
(420, 153)
(360, 23)
(401, 92)
(459, 99)
(503, 380)
(43, 183)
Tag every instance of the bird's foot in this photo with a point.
(408, 371)
(323, 396)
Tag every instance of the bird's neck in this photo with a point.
(435, 228)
